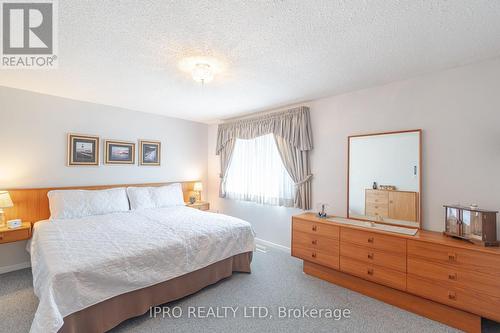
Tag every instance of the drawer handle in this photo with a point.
(370, 240)
(370, 255)
(313, 255)
(452, 257)
(314, 228)
(452, 276)
(314, 242)
(369, 271)
(452, 295)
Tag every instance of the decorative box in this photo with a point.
(472, 224)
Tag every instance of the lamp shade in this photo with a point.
(198, 186)
(5, 200)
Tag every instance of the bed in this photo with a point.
(91, 273)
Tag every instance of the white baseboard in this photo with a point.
(273, 245)
(16, 267)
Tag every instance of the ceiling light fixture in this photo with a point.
(202, 69)
(202, 73)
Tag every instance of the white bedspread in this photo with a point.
(80, 262)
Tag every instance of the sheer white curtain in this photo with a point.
(256, 173)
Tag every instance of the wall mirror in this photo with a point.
(384, 180)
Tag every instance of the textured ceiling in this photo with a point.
(126, 53)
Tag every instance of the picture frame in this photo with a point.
(149, 153)
(119, 152)
(83, 150)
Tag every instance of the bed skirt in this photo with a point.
(103, 316)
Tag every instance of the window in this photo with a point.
(257, 174)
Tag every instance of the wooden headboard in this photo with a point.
(32, 205)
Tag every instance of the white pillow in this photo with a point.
(155, 197)
(68, 204)
(140, 197)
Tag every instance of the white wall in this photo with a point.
(33, 145)
(459, 112)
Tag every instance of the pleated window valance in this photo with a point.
(293, 137)
(293, 125)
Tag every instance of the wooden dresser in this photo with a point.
(435, 276)
(397, 205)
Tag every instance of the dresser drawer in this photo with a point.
(385, 276)
(326, 259)
(373, 256)
(454, 277)
(467, 260)
(316, 242)
(376, 196)
(322, 229)
(374, 240)
(375, 209)
(478, 303)
(14, 235)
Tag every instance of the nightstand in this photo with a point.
(201, 205)
(13, 235)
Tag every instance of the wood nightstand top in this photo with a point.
(13, 235)
(201, 205)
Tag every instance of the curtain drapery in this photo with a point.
(296, 162)
(293, 137)
(225, 159)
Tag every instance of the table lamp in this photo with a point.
(198, 187)
(5, 202)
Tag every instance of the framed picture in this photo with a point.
(119, 152)
(83, 150)
(149, 152)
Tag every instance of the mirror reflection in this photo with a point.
(384, 178)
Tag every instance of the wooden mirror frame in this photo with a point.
(419, 210)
